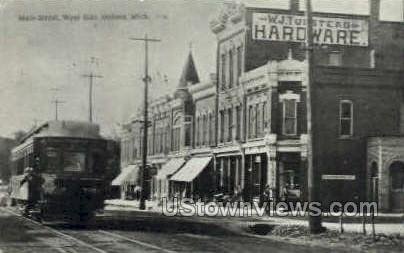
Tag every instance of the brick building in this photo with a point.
(257, 107)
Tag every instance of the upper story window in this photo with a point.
(205, 130)
(188, 130)
(197, 128)
(221, 126)
(176, 134)
(251, 121)
(238, 122)
(264, 115)
(167, 138)
(211, 129)
(223, 71)
(230, 124)
(150, 142)
(335, 58)
(289, 117)
(258, 123)
(141, 142)
(239, 63)
(346, 118)
(134, 149)
(231, 68)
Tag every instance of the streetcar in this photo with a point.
(70, 157)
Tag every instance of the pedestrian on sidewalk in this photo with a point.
(267, 198)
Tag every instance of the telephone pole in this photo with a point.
(313, 183)
(146, 81)
(91, 77)
(57, 102)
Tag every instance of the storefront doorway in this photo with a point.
(256, 176)
(291, 177)
(397, 186)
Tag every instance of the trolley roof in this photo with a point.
(63, 128)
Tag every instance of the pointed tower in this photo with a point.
(189, 76)
(189, 73)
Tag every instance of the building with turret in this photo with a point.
(246, 129)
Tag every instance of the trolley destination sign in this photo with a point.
(326, 30)
(338, 177)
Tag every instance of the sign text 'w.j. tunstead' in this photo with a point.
(328, 31)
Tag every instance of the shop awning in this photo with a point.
(128, 174)
(170, 168)
(191, 169)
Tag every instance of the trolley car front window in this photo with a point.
(73, 161)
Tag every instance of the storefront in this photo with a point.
(128, 181)
(194, 179)
(164, 174)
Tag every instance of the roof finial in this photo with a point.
(290, 54)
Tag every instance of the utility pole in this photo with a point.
(313, 184)
(91, 77)
(146, 81)
(57, 102)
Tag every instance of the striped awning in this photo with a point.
(170, 168)
(191, 169)
(128, 175)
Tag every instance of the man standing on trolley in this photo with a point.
(34, 181)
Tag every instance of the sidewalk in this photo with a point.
(394, 226)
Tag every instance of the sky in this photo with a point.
(38, 57)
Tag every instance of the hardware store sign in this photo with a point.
(327, 31)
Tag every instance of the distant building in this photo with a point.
(247, 128)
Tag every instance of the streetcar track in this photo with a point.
(69, 249)
(145, 244)
(63, 235)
